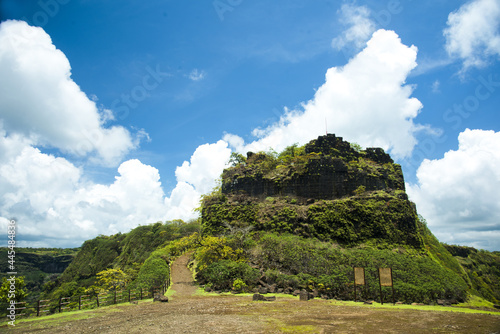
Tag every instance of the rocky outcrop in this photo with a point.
(330, 169)
(326, 189)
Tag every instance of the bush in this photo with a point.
(239, 285)
(154, 272)
(222, 274)
(296, 262)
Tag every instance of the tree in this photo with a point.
(236, 159)
(112, 279)
(18, 293)
(214, 249)
(154, 272)
(356, 147)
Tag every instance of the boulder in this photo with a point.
(160, 298)
(262, 290)
(258, 296)
(304, 295)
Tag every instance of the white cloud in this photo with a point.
(40, 101)
(458, 194)
(197, 75)
(366, 101)
(361, 27)
(473, 32)
(197, 177)
(55, 205)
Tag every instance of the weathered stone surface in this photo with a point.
(327, 175)
(258, 296)
(304, 295)
(262, 290)
(160, 298)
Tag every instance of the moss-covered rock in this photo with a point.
(326, 168)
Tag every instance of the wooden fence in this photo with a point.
(40, 307)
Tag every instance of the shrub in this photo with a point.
(222, 274)
(239, 285)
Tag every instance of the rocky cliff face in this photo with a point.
(328, 169)
(325, 189)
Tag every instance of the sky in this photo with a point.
(115, 114)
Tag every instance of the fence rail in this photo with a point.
(48, 306)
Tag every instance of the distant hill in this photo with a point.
(38, 265)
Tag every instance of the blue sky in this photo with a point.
(115, 114)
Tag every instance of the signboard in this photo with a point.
(359, 276)
(385, 275)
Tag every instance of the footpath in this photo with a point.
(182, 278)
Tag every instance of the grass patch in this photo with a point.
(299, 329)
(170, 292)
(431, 308)
(476, 301)
(58, 318)
(202, 292)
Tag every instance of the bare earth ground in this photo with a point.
(188, 313)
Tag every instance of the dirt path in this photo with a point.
(238, 314)
(182, 278)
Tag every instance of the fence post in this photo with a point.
(97, 299)
(114, 298)
(60, 301)
(38, 308)
(80, 303)
(141, 292)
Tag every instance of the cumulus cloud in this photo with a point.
(197, 177)
(47, 194)
(458, 194)
(365, 101)
(40, 101)
(361, 27)
(473, 32)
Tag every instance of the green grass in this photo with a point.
(74, 315)
(388, 306)
(202, 292)
(476, 301)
